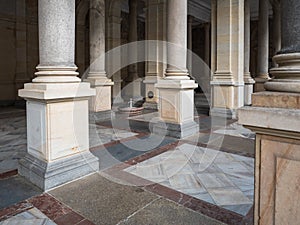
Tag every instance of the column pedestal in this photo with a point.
(57, 104)
(176, 108)
(57, 134)
(100, 104)
(275, 117)
(102, 100)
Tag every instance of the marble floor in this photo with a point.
(210, 173)
(219, 178)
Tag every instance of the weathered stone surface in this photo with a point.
(290, 26)
(276, 100)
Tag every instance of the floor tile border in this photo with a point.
(58, 212)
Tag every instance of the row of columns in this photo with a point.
(57, 100)
(57, 94)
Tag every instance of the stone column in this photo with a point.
(176, 90)
(287, 74)
(207, 43)
(155, 31)
(228, 78)
(275, 117)
(190, 42)
(213, 60)
(134, 89)
(57, 104)
(263, 46)
(247, 76)
(97, 75)
(113, 36)
(276, 27)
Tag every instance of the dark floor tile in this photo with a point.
(133, 148)
(102, 201)
(236, 145)
(15, 189)
(165, 212)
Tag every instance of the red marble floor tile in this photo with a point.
(15, 209)
(70, 218)
(49, 206)
(8, 174)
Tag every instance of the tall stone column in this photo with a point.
(190, 43)
(57, 104)
(213, 16)
(207, 43)
(275, 117)
(155, 31)
(176, 90)
(113, 36)
(228, 78)
(263, 46)
(276, 27)
(97, 75)
(134, 90)
(247, 38)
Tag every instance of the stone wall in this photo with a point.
(19, 46)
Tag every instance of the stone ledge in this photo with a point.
(276, 100)
(270, 118)
(52, 91)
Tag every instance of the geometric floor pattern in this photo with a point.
(219, 178)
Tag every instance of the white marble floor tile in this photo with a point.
(228, 196)
(186, 183)
(215, 180)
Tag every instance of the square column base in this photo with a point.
(175, 130)
(176, 107)
(248, 94)
(47, 175)
(275, 118)
(57, 133)
(227, 98)
(102, 100)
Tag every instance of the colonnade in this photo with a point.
(57, 94)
